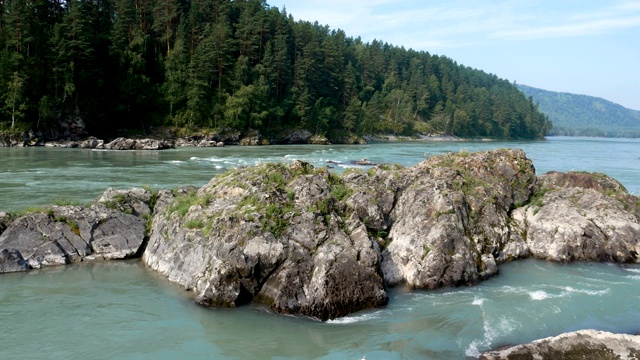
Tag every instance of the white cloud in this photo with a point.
(422, 25)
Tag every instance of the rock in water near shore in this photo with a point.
(67, 234)
(139, 144)
(584, 344)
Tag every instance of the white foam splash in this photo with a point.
(539, 295)
(354, 319)
(502, 326)
(210, 159)
(477, 301)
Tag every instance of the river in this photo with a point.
(123, 310)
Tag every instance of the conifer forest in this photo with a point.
(235, 64)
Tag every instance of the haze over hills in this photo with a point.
(583, 115)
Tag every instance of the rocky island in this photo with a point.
(303, 240)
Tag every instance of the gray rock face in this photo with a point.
(451, 218)
(580, 217)
(12, 261)
(584, 344)
(274, 234)
(67, 234)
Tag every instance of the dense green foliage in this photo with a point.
(582, 115)
(235, 64)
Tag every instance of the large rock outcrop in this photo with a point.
(584, 344)
(66, 234)
(306, 241)
(302, 240)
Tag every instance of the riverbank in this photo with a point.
(167, 138)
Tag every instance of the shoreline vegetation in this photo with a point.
(74, 69)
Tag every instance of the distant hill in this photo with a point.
(582, 115)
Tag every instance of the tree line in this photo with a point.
(242, 64)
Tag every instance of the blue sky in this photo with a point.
(579, 46)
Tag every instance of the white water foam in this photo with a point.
(355, 319)
(491, 333)
(478, 301)
(570, 289)
(539, 295)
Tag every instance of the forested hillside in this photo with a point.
(582, 115)
(134, 64)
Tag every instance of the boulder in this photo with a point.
(121, 144)
(252, 138)
(583, 344)
(92, 143)
(68, 144)
(9, 138)
(577, 216)
(319, 140)
(67, 234)
(295, 136)
(12, 261)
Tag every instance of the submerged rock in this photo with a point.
(584, 344)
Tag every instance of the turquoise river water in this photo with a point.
(123, 310)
